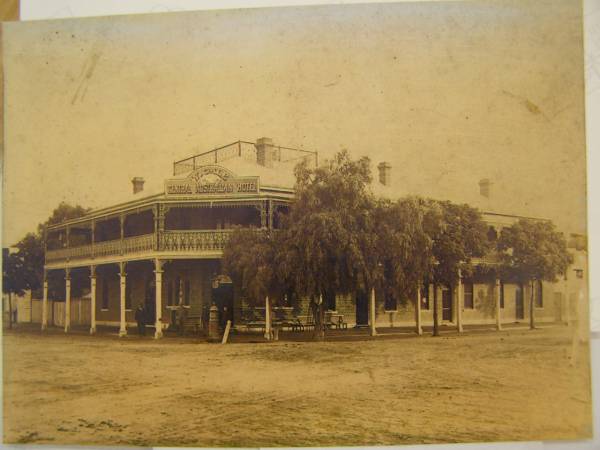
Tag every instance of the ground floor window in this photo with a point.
(425, 296)
(391, 303)
(468, 295)
(104, 293)
(186, 291)
(170, 294)
(330, 302)
(128, 295)
(538, 294)
(501, 294)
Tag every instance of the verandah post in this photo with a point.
(373, 330)
(498, 319)
(459, 302)
(93, 299)
(45, 302)
(436, 324)
(122, 292)
(67, 300)
(268, 332)
(158, 264)
(418, 310)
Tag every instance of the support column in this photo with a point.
(67, 300)
(270, 219)
(93, 238)
(68, 242)
(123, 323)
(567, 302)
(159, 225)
(373, 330)
(268, 332)
(459, 303)
(93, 299)
(45, 303)
(158, 265)
(122, 222)
(498, 319)
(263, 215)
(436, 318)
(418, 311)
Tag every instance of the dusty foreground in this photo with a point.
(512, 385)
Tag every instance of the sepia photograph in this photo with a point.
(300, 226)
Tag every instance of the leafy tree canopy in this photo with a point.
(250, 259)
(533, 250)
(461, 235)
(12, 267)
(30, 249)
(327, 242)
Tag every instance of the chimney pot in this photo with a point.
(138, 184)
(385, 175)
(265, 152)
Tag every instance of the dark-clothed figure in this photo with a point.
(140, 318)
(181, 316)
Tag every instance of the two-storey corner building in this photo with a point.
(161, 246)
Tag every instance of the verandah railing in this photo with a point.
(171, 241)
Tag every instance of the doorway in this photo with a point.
(362, 309)
(446, 304)
(223, 298)
(519, 306)
(150, 301)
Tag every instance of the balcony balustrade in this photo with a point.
(169, 241)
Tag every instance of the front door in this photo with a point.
(519, 307)
(558, 303)
(446, 304)
(150, 301)
(223, 299)
(362, 309)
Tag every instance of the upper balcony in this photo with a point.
(159, 230)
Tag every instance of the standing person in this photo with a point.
(181, 316)
(140, 318)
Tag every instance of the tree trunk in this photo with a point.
(10, 311)
(531, 309)
(436, 325)
(318, 313)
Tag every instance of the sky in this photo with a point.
(447, 93)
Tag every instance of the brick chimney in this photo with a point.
(385, 173)
(265, 152)
(485, 187)
(138, 184)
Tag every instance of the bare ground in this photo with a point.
(510, 385)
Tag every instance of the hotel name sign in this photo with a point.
(211, 180)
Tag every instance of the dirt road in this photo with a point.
(511, 385)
